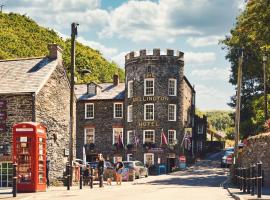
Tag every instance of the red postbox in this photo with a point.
(29, 152)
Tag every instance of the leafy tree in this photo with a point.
(251, 32)
(22, 37)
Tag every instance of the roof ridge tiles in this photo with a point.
(18, 59)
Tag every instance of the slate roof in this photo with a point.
(25, 75)
(108, 91)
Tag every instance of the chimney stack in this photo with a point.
(55, 52)
(115, 80)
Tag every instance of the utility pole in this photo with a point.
(74, 33)
(1, 7)
(265, 87)
(238, 103)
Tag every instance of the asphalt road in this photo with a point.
(202, 181)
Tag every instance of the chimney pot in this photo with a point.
(55, 51)
(115, 80)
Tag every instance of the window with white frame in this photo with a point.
(118, 110)
(172, 87)
(130, 89)
(130, 137)
(89, 135)
(129, 157)
(171, 136)
(149, 136)
(149, 112)
(200, 129)
(89, 111)
(149, 159)
(116, 133)
(149, 87)
(172, 112)
(130, 113)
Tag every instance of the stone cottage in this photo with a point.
(36, 90)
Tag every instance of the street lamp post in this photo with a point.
(265, 86)
(74, 33)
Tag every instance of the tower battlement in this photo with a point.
(154, 52)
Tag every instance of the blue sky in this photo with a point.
(116, 27)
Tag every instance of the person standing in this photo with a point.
(100, 168)
(119, 169)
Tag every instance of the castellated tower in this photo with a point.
(155, 103)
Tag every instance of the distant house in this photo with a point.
(200, 135)
(37, 90)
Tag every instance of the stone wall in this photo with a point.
(19, 109)
(257, 149)
(161, 68)
(103, 123)
(52, 109)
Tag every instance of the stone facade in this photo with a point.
(52, 109)
(45, 100)
(165, 70)
(19, 108)
(257, 149)
(103, 124)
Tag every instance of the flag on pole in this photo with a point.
(163, 138)
(84, 155)
(120, 144)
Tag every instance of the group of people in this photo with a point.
(100, 171)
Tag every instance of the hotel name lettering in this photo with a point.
(147, 124)
(150, 98)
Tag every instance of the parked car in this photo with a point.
(136, 169)
(109, 170)
(227, 157)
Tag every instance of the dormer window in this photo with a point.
(93, 88)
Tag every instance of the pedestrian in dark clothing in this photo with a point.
(47, 172)
(100, 168)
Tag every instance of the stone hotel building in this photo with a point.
(127, 119)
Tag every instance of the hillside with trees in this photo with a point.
(21, 37)
(251, 32)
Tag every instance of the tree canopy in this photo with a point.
(22, 37)
(252, 33)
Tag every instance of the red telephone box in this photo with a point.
(29, 152)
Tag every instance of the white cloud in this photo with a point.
(204, 41)
(120, 59)
(106, 51)
(221, 74)
(208, 97)
(199, 57)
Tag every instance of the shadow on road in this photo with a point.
(205, 181)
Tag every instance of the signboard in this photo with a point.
(3, 115)
(156, 150)
(125, 174)
(188, 132)
(182, 162)
(66, 152)
(3, 104)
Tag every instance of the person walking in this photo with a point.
(119, 169)
(100, 168)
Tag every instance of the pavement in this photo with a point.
(202, 181)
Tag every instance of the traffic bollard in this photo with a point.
(244, 180)
(91, 177)
(81, 177)
(262, 178)
(68, 176)
(253, 180)
(259, 180)
(248, 180)
(241, 178)
(14, 185)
